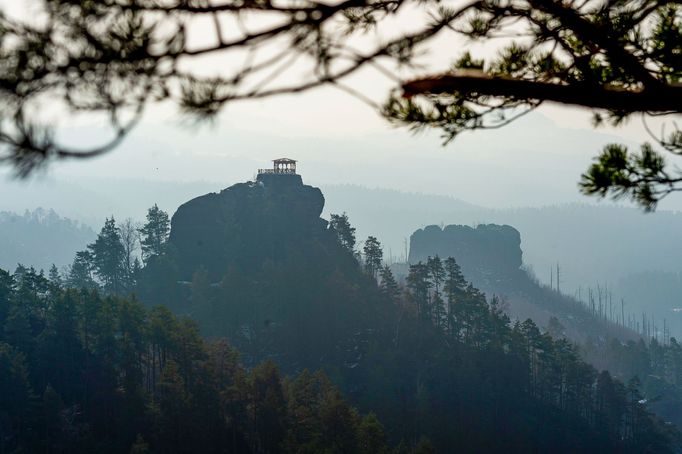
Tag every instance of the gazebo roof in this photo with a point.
(284, 161)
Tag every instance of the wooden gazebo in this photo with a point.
(282, 166)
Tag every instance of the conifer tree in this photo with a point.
(54, 276)
(454, 280)
(6, 289)
(388, 285)
(419, 285)
(154, 233)
(56, 281)
(339, 224)
(81, 271)
(436, 276)
(436, 272)
(373, 256)
(453, 287)
(108, 256)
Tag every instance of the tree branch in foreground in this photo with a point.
(605, 97)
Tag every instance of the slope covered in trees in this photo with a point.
(491, 257)
(81, 372)
(608, 335)
(656, 364)
(433, 359)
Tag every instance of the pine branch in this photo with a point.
(477, 83)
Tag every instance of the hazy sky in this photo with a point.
(338, 139)
(535, 161)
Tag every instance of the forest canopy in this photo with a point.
(82, 373)
(432, 357)
(85, 372)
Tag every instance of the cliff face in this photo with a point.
(245, 224)
(256, 264)
(485, 253)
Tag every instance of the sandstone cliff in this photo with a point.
(488, 254)
(246, 224)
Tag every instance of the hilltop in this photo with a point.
(492, 259)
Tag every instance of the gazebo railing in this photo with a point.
(284, 171)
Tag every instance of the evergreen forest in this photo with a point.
(320, 349)
(247, 321)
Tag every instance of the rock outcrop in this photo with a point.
(486, 253)
(257, 265)
(491, 258)
(246, 224)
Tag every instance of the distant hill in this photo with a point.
(595, 245)
(491, 258)
(40, 238)
(90, 200)
(592, 243)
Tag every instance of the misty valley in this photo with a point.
(248, 323)
(472, 245)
